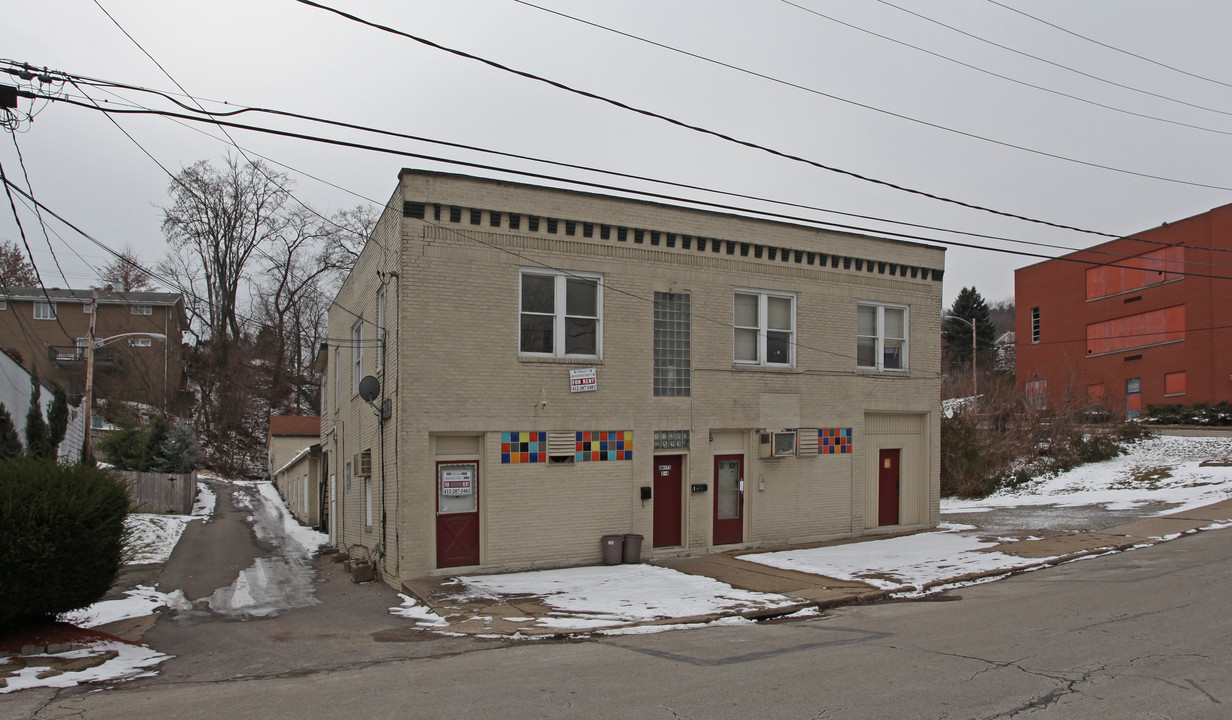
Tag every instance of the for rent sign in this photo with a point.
(582, 380)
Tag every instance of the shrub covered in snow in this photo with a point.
(62, 530)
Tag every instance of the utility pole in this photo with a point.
(86, 457)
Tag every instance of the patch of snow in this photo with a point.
(592, 597)
(151, 538)
(420, 613)
(130, 662)
(910, 561)
(141, 601)
(206, 502)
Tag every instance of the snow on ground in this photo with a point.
(206, 502)
(151, 538)
(417, 611)
(586, 598)
(911, 561)
(116, 660)
(1162, 472)
(141, 601)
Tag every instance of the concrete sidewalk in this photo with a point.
(509, 615)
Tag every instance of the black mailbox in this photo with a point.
(645, 492)
(700, 487)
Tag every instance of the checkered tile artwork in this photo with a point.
(833, 441)
(604, 445)
(524, 447)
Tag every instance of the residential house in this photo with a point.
(1131, 322)
(516, 371)
(47, 330)
(16, 387)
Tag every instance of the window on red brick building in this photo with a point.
(1174, 383)
(1134, 331)
(1136, 272)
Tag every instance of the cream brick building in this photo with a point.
(555, 366)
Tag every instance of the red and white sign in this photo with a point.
(583, 380)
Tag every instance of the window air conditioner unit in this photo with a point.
(363, 463)
(777, 443)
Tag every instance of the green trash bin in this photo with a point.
(613, 546)
(633, 548)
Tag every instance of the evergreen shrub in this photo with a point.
(62, 530)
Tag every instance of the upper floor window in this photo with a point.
(1136, 272)
(881, 336)
(87, 307)
(357, 354)
(671, 344)
(380, 327)
(4, 304)
(1035, 326)
(44, 310)
(142, 342)
(561, 314)
(337, 376)
(141, 309)
(765, 325)
(1135, 331)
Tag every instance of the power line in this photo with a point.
(1050, 62)
(1123, 51)
(688, 126)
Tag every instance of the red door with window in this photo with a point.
(668, 503)
(457, 514)
(887, 487)
(728, 499)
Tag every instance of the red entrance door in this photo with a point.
(668, 506)
(887, 487)
(457, 514)
(728, 499)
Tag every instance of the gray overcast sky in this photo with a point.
(285, 55)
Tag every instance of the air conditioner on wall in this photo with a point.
(777, 443)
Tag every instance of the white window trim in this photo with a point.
(763, 311)
(87, 306)
(142, 342)
(357, 354)
(879, 350)
(337, 376)
(558, 324)
(141, 309)
(44, 305)
(380, 327)
(367, 502)
(4, 304)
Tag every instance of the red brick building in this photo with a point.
(1132, 322)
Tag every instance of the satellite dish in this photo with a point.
(369, 388)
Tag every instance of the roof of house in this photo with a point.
(105, 297)
(300, 425)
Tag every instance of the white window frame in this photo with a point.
(325, 392)
(357, 355)
(337, 376)
(880, 337)
(87, 306)
(142, 342)
(48, 310)
(380, 327)
(559, 315)
(762, 328)
(141, 309)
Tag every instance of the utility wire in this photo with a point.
(1123, 51)
(1050, 62)
(685, 125)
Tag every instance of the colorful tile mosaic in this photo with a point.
(524, 447)
(589, 446)
(604, 445)
(833, 441)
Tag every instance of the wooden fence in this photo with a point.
(163, 493)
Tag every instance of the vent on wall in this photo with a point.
(806, 442)
(777, 443)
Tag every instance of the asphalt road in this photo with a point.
(1139, 634)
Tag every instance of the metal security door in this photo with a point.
(457, 514)
(728, 499)
(887, 487)
(668, 505)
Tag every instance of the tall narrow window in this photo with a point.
(380, 327)
(765, 328)
(357, 354)
(1035, 330)
(368, 501)
(671, 345)
(561, 314)
(337, 375)
(881, 337)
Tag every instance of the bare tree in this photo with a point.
(126, 273)
(351, 230)
(15, 268)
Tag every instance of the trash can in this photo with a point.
(612, 547)
(633, 548)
